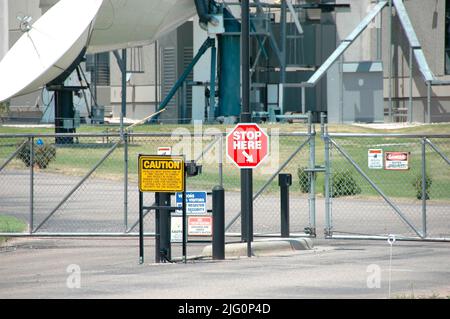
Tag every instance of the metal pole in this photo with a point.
(164, 228)
(390, 66)
(157, 229)
(326, 139)
(312, 165)
(424, 188)
(156, 76)
(125, 177)
(303, 100)
(31, 141)
(141, 228)
(341, 89)
(380, 39)
(283, 23)
(410, 108)
(220, 157)
(212, 97)
(246, 174)
(428, 102)
(185, 233)
(123, 110)
(218, 247)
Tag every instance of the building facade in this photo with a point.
(153, 70)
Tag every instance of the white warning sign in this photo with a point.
(376, 159)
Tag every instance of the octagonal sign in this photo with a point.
(247, 145)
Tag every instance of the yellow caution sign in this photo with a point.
(164, 174)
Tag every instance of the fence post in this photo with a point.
(125, 178)
(424, 188)
(312, 176)
(326, 139)
(31, 141)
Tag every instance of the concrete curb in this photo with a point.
(266, 247)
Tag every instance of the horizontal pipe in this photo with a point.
(402, 238)
(342, 135)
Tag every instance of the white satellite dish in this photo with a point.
(55, 40)
(48, 48)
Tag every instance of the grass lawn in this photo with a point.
(78, 159)
(11, 225)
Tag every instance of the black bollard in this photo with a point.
(218, 246)
(285, 181)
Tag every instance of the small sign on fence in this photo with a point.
(195, 203)
(375, 159)
(176, 229)
(397, 161)
(200, 226)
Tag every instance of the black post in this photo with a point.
(218, 246)
(246, 174)
(185, 233)
(285, 181)
(141, 228)
(164, 227)
(157, 230)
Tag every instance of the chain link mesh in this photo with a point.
(358, 208)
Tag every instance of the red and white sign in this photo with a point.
(397, 161)
(165, 151)
(247, 145)
(200, 226)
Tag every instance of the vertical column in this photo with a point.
(390, 66)
(326, 140)
(246, 174)
(428, 102)
(424, 188)
(31, 141)
(141, 228)
(410, 106)
(312, 166)
(212, 98)
(164, 227)
(125, 181)
(285, 181)
(123, 110)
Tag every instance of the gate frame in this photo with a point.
(329, 140)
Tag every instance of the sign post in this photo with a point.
(247, 148)
(161, 174)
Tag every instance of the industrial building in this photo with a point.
(319, 56)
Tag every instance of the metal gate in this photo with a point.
(87, 186)
(365, 202)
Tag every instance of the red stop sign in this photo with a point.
(247, 145)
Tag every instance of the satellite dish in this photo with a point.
(48, 48)
(52, 44)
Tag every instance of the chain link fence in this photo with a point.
(84, 184)
(366, 199)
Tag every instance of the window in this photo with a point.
(447, 37)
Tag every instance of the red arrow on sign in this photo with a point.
(247, 145)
